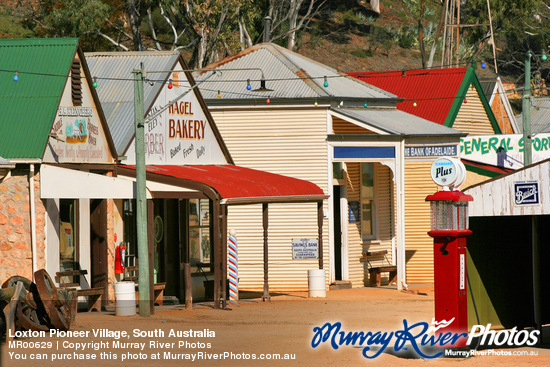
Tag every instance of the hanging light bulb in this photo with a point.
(544, 57)
(219, 94)
(326, 82)
(95, 82)
(16, 76)
(465, 100)
(483, 65)
(268, 100)
(365, 105)
(170, 85)
(315, 104)
(248, 86)
(414, 103)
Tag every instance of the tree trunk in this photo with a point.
(135, 21)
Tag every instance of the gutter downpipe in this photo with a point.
(33, 219)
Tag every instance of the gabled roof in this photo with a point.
(437, 93)
(29, 105)
(115, 87)
(291, 76)
(540, 116)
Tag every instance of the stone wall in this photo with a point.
(15, 225)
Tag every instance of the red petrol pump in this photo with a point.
(449, 229)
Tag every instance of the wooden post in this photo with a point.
(320, 229)
(188, 285)
(266, 255)
(216, 238)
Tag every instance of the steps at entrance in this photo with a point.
(340, 284)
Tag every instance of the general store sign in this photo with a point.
(305, 248)
(503, 150)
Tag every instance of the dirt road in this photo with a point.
(253, 329)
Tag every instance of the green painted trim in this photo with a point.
(470, 77)
(455, 108)
(482, 171)
(484, 101)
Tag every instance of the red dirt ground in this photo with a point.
(284, 325)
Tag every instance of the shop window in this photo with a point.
(130, 231)
(68, 235)
(200, 248)
(368, 202)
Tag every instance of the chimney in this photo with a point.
(267, 28)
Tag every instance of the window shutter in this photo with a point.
(76, 83)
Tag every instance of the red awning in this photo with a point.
(240, 185)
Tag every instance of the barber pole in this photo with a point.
(233, 267)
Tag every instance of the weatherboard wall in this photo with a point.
(472, 117)
(290, 142)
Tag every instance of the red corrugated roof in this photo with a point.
(234, 182)
(434, 90)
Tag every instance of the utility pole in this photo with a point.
(526, 111)
(141, 197)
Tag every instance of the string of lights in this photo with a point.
(220, 92)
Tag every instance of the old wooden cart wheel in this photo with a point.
(55, 303)
(30, 314)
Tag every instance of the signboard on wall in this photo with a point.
(503, 150)
(305, 248)
(77, 136)
(181, 134)
(431, 151)
(526, 193)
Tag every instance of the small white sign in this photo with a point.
(462, 271)
(305, 248)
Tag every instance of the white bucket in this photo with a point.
(316, 280)
(125, 299)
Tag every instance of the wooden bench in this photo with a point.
(158, 288)
(375, 272)
(94, 295)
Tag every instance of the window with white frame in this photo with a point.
(368, 204)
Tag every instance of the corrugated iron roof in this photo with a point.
(28, 106)
(116, 89)
(433, 90)
(397, 122)
(540, 116)
(288, 74)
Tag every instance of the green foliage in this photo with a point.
(75, 17)
(362, 53)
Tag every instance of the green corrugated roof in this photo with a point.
(28, 106)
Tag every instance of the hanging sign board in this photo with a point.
(305, 248)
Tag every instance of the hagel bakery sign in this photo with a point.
(77, 136)
(179, 135)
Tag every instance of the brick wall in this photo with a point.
(15, 227)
